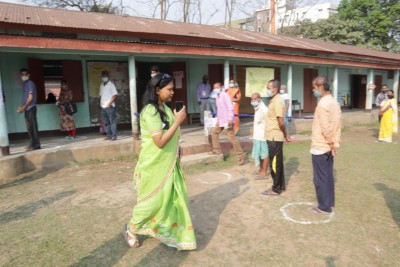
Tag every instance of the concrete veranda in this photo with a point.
(58, 151)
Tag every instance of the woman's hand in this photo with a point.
(180, 116)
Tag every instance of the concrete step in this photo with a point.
(204, 158)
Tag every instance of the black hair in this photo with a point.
(151, 97)
(322, 80)
(275, 84)
(154, 68)
(105, 72)
(24, 70)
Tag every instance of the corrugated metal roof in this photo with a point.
(81, 21)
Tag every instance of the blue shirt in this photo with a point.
(203, 91)
(29, 88)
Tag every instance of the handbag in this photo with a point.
(70, 108)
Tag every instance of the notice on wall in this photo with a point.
(256, 80)
(178, 76)
(119, 75)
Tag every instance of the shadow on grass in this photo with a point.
(375, 132)
(28, 178)
(107, 254)
(291, 167)
(52, 162)
(330, 261)
(27, 210)
(392, 198)
(206, 209)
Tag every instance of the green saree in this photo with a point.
(162, 202)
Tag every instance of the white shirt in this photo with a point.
(259, 122)
(106, 93)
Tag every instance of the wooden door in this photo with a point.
(216, 73)
(72, 73)
(178, 71)
(378, 83)
(310, 101)
(358, 91)
(36, 70)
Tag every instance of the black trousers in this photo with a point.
(32, 128)
(275, 149)
(323, 181)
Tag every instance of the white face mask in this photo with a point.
(153, 74)
(255, 103)
(231, 85)
(24, 78)
(270, 93)
(281, 91)
(104, 79)
(217, 91)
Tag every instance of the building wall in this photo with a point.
(10, 64)
(47, 114)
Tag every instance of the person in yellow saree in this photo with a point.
(389, 122)
(234, 93)
(161, 210)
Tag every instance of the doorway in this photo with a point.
(358, 91)
(176, 69)
(310, 101)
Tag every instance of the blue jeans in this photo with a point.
(109, 117)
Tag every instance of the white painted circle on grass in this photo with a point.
(324, 218)
(228, 178)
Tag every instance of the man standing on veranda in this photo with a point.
(108, 94)
(29, 108)
(325, 141)
(203, 93)
(275, 133)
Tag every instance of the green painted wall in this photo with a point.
(47, 114)
(11, 62)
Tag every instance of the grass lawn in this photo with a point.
(74, 216)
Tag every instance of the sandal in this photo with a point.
(131, 239)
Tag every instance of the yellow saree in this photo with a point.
(389, 122)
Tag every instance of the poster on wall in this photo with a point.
(178, 76)
(119, 75)
(256, 80)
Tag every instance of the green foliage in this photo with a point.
(100, 6)
(332, 29)
(380, 20)
(368, 23)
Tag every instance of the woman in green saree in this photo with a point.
(161, 210)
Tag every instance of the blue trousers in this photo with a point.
(109, 117)
(323, 181)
